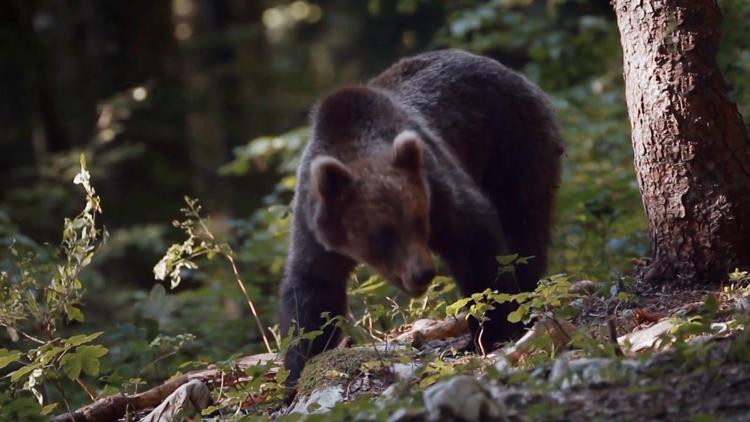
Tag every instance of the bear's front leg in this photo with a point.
(470, 253)
(314, 283)
(474, 272)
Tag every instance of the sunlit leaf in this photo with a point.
(22, 371)
(82, 339)
(8, 356)
(74, 313)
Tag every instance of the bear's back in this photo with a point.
(472, 102)
(444, 79)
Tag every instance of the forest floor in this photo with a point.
(653, 354)
(704, 379)
(689, 362)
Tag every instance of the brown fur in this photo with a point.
(445, 152)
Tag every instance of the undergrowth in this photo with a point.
(42, 291)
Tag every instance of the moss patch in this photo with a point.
(333, 367)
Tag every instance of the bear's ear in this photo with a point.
(407, 151)
(329, 176)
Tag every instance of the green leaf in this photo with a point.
(74, 314)
(85, 359)
(46, 410)
(281, 375)
(456, 307)
(507, 259)
(567, 312)
(71, 365)
(521, 297)
(311, 335)
(81, 339)
(524, 259)
(49, 354)
(209, 410)
(501, 297)
(22, 372)
(515, 316)
(8, 356)
(371, 285)
(89, 357)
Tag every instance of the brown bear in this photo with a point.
(445, 152)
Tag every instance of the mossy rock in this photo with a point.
(335, 366)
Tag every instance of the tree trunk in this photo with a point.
(692, 153)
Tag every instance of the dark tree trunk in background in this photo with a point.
(28, 84)
(692, 153)
(207, 135)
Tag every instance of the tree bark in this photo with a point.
(692, 153)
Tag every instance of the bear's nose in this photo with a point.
(423, 277)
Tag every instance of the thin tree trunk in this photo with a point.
(692, 154)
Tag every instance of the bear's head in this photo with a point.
(376, 211)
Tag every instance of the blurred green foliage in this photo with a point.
(202, 98)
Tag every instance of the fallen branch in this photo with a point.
(559, 331)
(116, 406)
(427, 329)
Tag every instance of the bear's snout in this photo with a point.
(418, 281)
